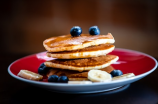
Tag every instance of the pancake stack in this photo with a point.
(75, 56)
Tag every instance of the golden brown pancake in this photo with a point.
(77, 55)
(82, 64)
(75, 75)
(68, 43)
(92, 51)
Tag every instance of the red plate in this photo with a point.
(129, 61)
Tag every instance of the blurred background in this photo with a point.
(25, 24)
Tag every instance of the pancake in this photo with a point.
(92, 51)
(68, 43)
(74, 75)
(82, 64)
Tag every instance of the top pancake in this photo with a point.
(68, 43)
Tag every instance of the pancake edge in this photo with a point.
(80, 69)
(75, 55)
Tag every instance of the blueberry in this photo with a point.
(41, 65)
(63, 79)
(75, 31)
(43, 69)
(116, 73)
(53, 78)
(94, 30)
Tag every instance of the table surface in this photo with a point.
(13, 91)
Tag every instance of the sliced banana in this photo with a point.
(124, 76)
(79, 82)
(99, 76)
(30, 75)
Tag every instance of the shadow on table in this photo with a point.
(130, 94)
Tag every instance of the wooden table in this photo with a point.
(12, 91)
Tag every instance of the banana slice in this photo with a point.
(99, 76)
(79, 82)
(124, 76)
(30, 75)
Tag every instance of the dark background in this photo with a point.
(26, 23)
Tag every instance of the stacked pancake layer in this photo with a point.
(77, 55)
